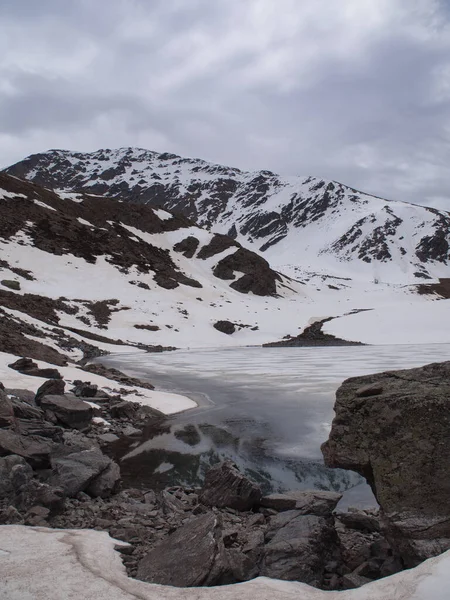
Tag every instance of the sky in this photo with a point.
(352, 90)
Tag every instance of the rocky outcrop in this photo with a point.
(312, 502)
(68, 410)
(225, 485)
(393, 428)
(87, 471)
(27, 367)
(193, 556)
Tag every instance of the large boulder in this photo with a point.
(193, 556)
(52, 387)
(394, 429)
(27, 367)
(68, 410)
(86, 471)
(298, 547)
(34, 449)
(226, 486)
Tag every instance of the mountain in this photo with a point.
(305, 226)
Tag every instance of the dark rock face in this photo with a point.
(313, 336)
(312, 502)
(27, 367)
(298, 547)
(87, 471)
(53, 387)
(188, 246)
(34, 449)
(226, 486)
(67, 409)
(393, 428)
(193, 556)
(225, 327)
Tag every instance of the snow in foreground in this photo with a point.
(51, 564)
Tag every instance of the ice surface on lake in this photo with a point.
(269, 409)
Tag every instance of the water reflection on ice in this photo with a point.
(268, 409)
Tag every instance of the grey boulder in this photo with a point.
(87, 471)
(193, 556)
(226, 486)
(68, 410)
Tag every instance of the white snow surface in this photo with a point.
(38, 563)
(166, 402)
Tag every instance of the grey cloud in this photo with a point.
(153, 69)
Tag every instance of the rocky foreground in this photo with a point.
(392, 428)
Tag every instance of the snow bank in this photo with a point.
(408, 323)
(162, 401)
(51, 564)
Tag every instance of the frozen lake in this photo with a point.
(268, 409)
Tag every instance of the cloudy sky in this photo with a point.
(353, 90)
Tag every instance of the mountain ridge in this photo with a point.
(300, 224)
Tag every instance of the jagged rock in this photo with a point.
(53, 387)
(89, 470)
(124, 410)
(40, 428)
(298, 547)
(69, 410)
(360, 520)
(34, 449)
(27, 367)
(19, 490)
(85, 389)
(193, 556)
(23, 410)
(397, 437)
(310, 502)
(6, 410)
(225, 485)
(104, 484)
(225, 327)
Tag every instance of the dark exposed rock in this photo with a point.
(53, 387)
(84, 389)
(89, 470)
(11, 284)
(187, 247)
(27, 367)
(258, 277)
(67, 409)
(313, 502)
(298, 547)
(225, 485)
(218, 244)
(117, 375)
(359, 520)
(193, 556)
(398, 440)
(225, 327)
(313, 336)
(34, 449)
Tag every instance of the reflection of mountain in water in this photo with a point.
(181, 455)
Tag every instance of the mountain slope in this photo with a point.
(303, 225)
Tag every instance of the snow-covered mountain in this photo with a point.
(303, 225)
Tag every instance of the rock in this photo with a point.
(21, 395)
(27, 367)
(108, 438)
(359, 520)
(105, 483)
(35, 450)
(84, 389)
(23, 410)
(53, 387)
(298, 547)
(69, 410)
(193, 556)
(311, 502)
(398, 440)
(89, 470)
(225, 327)
(124, 410)
(225, 485)
(130, 431)
(11, 284)
(6, 410)
(353, 580)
